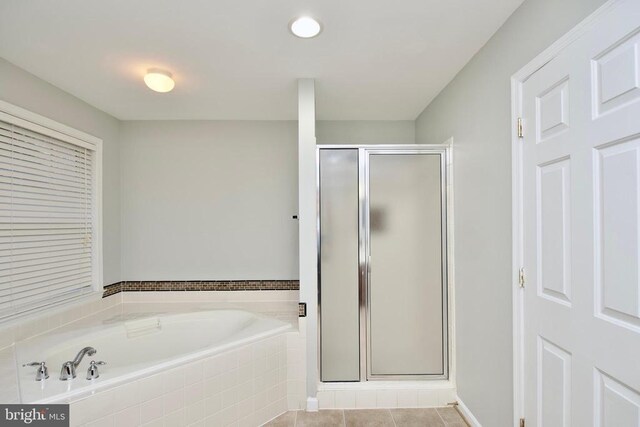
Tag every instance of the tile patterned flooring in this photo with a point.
(423, 417)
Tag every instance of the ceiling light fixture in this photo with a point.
(305, 27)
(159, 80)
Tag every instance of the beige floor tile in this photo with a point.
(396, 417)
(328, 418)
(288, 419)
(450, 416)
(417, 418)
(368, 418)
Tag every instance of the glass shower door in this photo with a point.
(406, 312)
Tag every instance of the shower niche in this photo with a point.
(382, 269)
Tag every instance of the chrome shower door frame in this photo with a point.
(364, 152)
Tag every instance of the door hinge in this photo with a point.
(520, 128)
(521, 422)
(521, 277)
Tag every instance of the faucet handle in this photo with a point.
(92, 372)
(42, 373)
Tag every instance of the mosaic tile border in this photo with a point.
(206, 286)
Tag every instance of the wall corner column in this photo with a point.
(308, 242)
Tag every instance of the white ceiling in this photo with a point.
(235, 59)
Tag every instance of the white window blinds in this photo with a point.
(46, 220)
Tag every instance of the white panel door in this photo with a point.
(581, 212)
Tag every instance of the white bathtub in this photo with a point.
(135, 345)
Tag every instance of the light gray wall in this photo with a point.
(365, 132)
(20, 88)
(214, 199)
(209, 200)
(474, 109)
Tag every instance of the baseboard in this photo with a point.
(466, 413)
(312, 404)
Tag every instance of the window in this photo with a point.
(49, 233)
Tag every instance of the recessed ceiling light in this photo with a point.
(159, 80)
(305, 27)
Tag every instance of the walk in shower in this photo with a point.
(382, 262)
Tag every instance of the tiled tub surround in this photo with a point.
(137, 344)
(282, 305)
(244, 387)
(121, 408)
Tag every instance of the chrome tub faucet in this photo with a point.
(69, 368)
